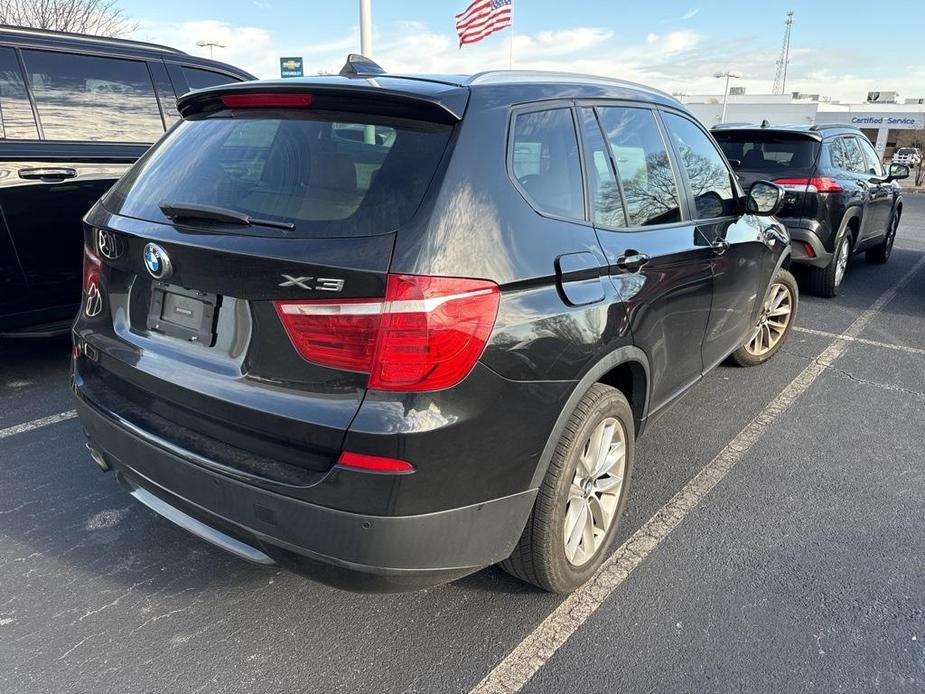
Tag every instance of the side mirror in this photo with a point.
(898, 172)
(735, 163)
(764, 199)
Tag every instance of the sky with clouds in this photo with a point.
(674, 46)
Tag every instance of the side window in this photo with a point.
(546, 163)
(82, 97)
(200, 79)
(853, 157)
(16, 118)
(709, 178)
(606, 201)
(649, 187)
(839, 154)
(871, 160)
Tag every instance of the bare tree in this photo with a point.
(99, 17)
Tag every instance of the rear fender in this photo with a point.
(622, 355)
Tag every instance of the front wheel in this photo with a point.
(578, 507)
(774, 323)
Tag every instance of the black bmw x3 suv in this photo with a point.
(839, 200)
(390, 329)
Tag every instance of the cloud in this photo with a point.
(690, 14)
(673, 61)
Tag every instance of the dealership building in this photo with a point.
(886, 122)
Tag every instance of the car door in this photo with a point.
(17, 123)
(95, 116)
(858, 191)
(880, 193)
(655, 257)
(743, 257)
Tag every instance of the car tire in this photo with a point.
(780, 309)
(826, 281)
(542, 555)
(880, 253)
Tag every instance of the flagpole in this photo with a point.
(510, 59)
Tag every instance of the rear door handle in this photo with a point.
(48, 173)
(632, 261)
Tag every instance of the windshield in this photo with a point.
(329, 175)
(767, 152)
(906, 150)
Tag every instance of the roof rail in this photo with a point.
(723, 126)
(29, 31)
(824, 126)
(511, 76)
(358, 65)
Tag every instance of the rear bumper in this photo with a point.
(807, 234)
(351, 550)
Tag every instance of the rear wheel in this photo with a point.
(578, 507)
(826, 281)
(774, 323)
(881, 252)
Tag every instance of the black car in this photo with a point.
(839, 200)
(393, 329)
(75, 112)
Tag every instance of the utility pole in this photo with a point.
(727, 74)
(366, 28)
(212, 45)
(780, 77)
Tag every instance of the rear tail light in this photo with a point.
(92, 267)
(817, 184)
(373, 463)
(93, 298)
(426, 334)
(262, 100)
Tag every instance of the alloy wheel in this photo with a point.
(594, 494)
(774, 320)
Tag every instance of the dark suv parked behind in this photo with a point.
(75, 112)
(399, 329)
(839, 200)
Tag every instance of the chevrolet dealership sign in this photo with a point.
(290, 67)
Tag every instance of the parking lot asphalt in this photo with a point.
(800, 570)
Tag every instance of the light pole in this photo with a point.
(727, 74)
(366, 28)
(211, 44)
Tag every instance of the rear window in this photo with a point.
(767, 152)
(329, 174)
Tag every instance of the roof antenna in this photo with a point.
(765, 123)
(360, 65)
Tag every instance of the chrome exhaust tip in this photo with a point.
(98, 458)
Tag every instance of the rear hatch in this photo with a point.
(255, 203)
(784, 157)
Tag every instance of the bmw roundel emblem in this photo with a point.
(158, 262)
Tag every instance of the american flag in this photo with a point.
(481, 18)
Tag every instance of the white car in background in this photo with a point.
(910, 156)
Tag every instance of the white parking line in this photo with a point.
(37, 424)
(860, 340)
(521, 664)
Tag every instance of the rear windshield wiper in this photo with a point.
(189, 210)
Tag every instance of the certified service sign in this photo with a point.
(290, 67)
